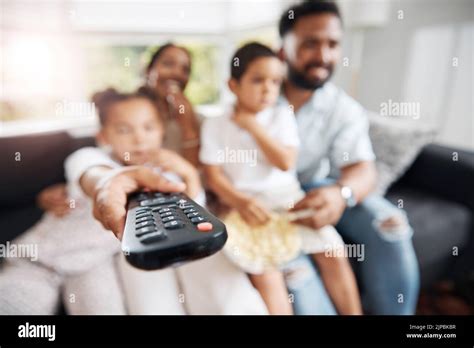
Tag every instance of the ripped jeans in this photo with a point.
(388, 272)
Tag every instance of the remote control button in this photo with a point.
(144, 224)
(168, 218)
(144, 218)
(172, 206)
(197, 219)
(186, 206)
(142, 211)
(142, 196)
(204, 226)
(144, 230)
(164, 210)
(139, 216)
(169, 213)
(153, 237)
(158, 194)
(158, 201)
(143, 208)
(191, 215)
(173, 225)
(189, 210)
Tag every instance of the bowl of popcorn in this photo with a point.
(259, 248)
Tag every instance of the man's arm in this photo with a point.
(328, 203)
(360, 177)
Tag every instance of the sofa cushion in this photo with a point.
(14, 222)
(396, 144)
(439, 226)
(30, 163)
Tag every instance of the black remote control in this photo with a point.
(168, 229)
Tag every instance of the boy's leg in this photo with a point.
(95, 292)
(271, 285)
(340, 283)
(306, 288)
(27, 288)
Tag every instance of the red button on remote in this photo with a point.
(204, 226)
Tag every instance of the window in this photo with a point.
(123, 67)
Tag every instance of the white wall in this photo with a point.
(411, 59)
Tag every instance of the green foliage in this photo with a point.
(123, 67)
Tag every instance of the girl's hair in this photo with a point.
(160, 51)
(105, 99)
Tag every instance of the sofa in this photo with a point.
(437, 192)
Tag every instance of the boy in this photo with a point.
(255, 125)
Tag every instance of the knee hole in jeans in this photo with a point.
(393, 226)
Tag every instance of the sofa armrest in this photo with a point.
(436, 171)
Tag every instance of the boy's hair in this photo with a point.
(306, 8)
(105, 99)
(246, 55)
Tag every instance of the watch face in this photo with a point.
(346, 192)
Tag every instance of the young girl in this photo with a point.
(249, 157)
(76, 257)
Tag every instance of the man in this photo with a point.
(336, 168)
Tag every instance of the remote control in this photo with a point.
(169, 229)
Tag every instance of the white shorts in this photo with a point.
(278, 242)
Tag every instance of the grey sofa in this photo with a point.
(438, 196)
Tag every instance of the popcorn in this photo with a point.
(257, 249)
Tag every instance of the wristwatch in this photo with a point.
(348, 196)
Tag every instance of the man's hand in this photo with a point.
(54, 199)
(328, 206)
(110, 194)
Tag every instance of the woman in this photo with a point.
(167, 75)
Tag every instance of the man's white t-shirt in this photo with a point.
(235, 150)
